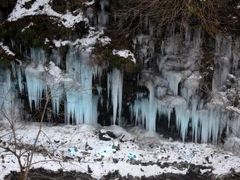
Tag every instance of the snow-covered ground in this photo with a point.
(79, 147)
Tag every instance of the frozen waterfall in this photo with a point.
(171, 74)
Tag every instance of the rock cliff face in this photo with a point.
(5, 8)
(177, 82)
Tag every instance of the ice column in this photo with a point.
(81, 105)
(56, 90)
(145, 109)
(103, 16)
(115, 84)
(223, 55)
(6, 92)
(38, 56)
(36, 84)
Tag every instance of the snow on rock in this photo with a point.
(89, 3)
(28, 26)
(6, 49)
(233, 109)
(54, 71)
(60, 43)
(75, 148)
(88, 42)
(42, 7)
(125, 54)
(104, 40)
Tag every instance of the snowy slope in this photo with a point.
(77, 147)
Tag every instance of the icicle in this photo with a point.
(115, 84)
(145, 110)
(35, 84)
(6, 92)
(195, 120)
(56, 96)
(103, 16)
(182, 120)
(173, 79)
(223, 54)
(80, 101)
(207, 122)
(38, 56)
(56, 57)
(152, 109)
(236, 58)
(20, 79)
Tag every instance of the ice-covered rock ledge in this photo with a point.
(136, 152)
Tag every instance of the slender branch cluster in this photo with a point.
(211, 15)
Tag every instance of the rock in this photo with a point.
(232, 144)
(79, 159)
(115, 160)
(151, 145)
(87, 147)
(56, 141)
(231, 78)
(207, 159)
(99, 159)
(106, 135)
(89, 170)
(116, 146)
(194, 170)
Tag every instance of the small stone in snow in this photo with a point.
(56, 141)
(115, 160)
(89, 170)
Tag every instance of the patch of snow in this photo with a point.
(42, 7)
(233, 109)
(46, 41)
(125, 54)
(104, 40)
(6, 49)
(87, 43)
(203, 171)
(89, 3)
(27, 27)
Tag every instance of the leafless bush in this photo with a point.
(22, 152)
(211, 15)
